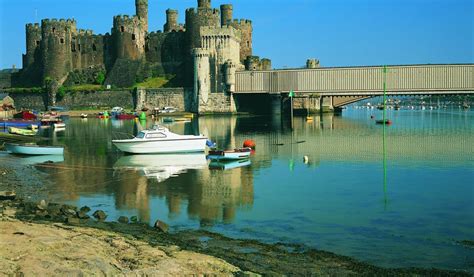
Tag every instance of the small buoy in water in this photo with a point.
(249, 143)
(372, 116)
(309, 118)
(306, 159)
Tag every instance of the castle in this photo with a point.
(204, 53)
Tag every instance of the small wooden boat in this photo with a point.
(59, 125)
(17, 123)
(26, 115)
(23, 132)
(381, 121)
(33, 149)
(226, 165)
(236, 154)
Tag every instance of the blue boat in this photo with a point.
(33, 149)
(4, 124)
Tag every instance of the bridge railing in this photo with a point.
(413, 78)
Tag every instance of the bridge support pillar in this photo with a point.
(327, 104)
(307, 104)
(276, 105)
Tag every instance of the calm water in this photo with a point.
(338, 201)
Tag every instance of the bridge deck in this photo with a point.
(361, 81)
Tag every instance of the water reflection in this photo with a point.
(161, 167)
(319, 184)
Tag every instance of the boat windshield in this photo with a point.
(140, 135)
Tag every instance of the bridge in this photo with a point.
(345, 85)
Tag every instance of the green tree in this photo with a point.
(100, 78)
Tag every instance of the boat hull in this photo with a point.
(229, 155)
(22, 149)
(190, 145)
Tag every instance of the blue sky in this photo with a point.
(337, 32)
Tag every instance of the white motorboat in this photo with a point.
(162, 167)
(159, 140)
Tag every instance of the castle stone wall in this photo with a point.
(128, 38)
(55, 47)
(33, 42)
(246, 30)
(29, 100)
(180, 98)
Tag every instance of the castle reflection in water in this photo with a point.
(93, 169)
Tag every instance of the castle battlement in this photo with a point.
(224, 31)
(201, 11)
(85, 32)
(33, 26)
(242, 21)
(200, 53)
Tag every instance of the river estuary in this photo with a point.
(321, 185)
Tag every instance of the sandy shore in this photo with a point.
(40, 250)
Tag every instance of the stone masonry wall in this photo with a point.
(179, 98)
(29, 100)
(76, 100)
(97, 99)
(218, 103)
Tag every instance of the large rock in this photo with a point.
(7, 195)
(85, 209)
(82, 215)
(100, 215)
(42, 205)
(161, 226)
(123, 219)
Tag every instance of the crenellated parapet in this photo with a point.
(246, 29)
(197, 18)
(253, 63)
(206, 4)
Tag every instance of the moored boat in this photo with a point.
(23, 132)
(59, 125)
(159, 140)
(236, 154)
(125, 116)
(381, 121)
(33, 149)
(226, 165)
(26, 115)
(17, 123)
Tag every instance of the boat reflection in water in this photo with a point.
(163, 166)
(41, 159)
(227, 165)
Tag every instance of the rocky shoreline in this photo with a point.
(56, 231)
